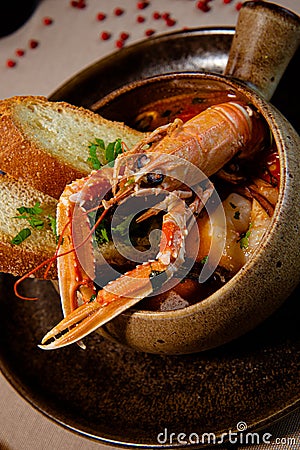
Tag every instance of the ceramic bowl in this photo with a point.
(273, 271)
(263, 283)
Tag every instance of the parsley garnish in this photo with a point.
(204, 260)
(34, 216)
(32, 211)
(101, 154)
(113, 149)
(129, 181)
(52, 222)
(244, 240)
(236, 215)
(94, 148)
(21, 236)
(102, 235)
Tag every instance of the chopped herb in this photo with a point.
(237, 215)
(33, 215)
(233, 206)
(104, 236)
(113, 149)
(99, 154)
(93, 159)
(101, 234)
(32, 211)
(110, 152)
(204, 260)
(244, 240)
(35, 222)
(52, 222)
(93, 297)
(21, 236)
(130, 181)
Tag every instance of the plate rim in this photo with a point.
(24, 391)
(134, 47)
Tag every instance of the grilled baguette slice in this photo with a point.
(19, 259)
(41, 244)
(44, 146)
(47, 143)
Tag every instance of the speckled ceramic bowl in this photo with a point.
(273, 272)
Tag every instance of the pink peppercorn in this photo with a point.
(156, 15)
(105, 35)
(33, 43)
(142, 5)
(80, 4)
(101, 16)
(20, 52)
(227, 1)
(140, 19)
(47, 21)
(10, 63)
(203, 6)
(118, 11)
(238, 6)
(124, 36)
(119, 43)
(149, 32)
(170, 22)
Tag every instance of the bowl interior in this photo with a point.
(167, 96)
(127, 103)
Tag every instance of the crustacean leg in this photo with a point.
(122, 293)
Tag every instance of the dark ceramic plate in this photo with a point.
(122, 397)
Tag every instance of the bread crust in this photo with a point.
(20, 261)
(25, 160)
(40, 245)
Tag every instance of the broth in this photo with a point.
(183, 106)
(260, 179)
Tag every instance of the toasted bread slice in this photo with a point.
(19, 259)
(47, 143)
(44, 146)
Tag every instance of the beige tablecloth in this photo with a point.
(59, 40)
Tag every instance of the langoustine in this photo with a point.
(172, 164)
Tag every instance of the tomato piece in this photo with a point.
(271, 168)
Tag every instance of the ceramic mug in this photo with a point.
(265, 40)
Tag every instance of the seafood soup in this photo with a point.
(247, 187)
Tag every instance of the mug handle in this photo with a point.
(266, 38)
